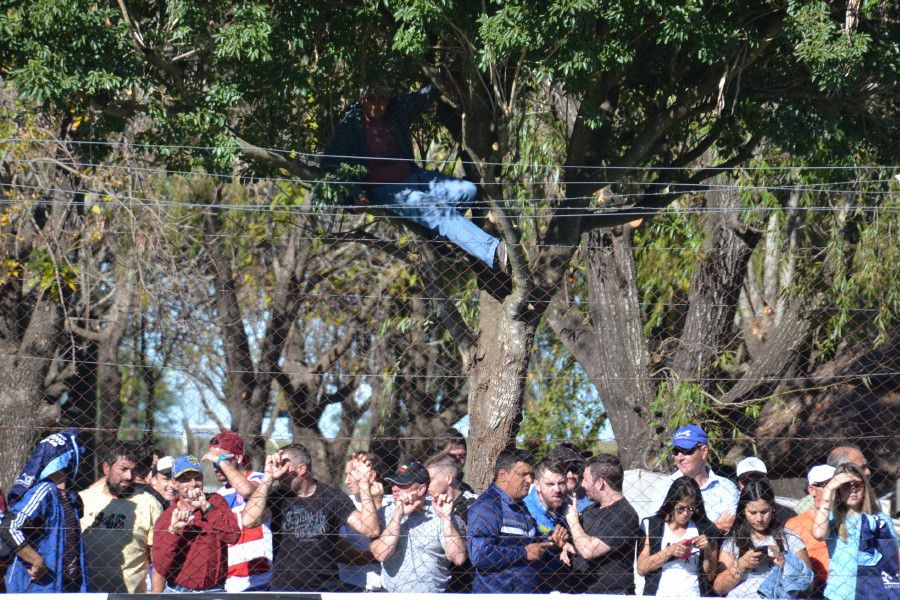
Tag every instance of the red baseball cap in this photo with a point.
(229, 441)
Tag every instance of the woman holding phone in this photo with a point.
(676, 554)
(756, 544)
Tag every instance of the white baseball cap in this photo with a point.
(820, 474)
(751, 464)
(165, 465)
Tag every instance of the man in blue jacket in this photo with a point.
(502, 536)
(375, 133)
(44, 530)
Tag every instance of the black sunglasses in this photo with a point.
(688, 452)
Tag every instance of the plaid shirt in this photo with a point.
(349, 145)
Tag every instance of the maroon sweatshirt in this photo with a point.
(197, 558)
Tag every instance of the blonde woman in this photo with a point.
(862, 543)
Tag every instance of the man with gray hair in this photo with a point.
(306, 520)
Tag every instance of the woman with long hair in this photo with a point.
(757, 542)
(862, 543)
(676, 551)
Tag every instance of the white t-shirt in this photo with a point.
(753, 578)
(679, 578)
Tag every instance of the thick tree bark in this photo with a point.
(23, 412)
(497, 387)
(612, 349)
(715, 287)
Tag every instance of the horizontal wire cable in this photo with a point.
(624, 211)
(258, 178)
(447, 376)
(448, 161)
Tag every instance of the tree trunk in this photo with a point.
(109, 377)
(715, 288)
(619, 363)
(23, 413)
(497, 387)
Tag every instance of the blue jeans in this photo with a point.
(177, 589)
(433, 200)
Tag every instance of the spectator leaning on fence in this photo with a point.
(191, 538)
(678, 552)
(420, 538)
(862, 543)
(802, 525)
(502, 537)
(306, 519)
(690, 448)
(760, 555)
(445, 477)
(250, 558)
(364, 573)
(117, 524)
(606, 535)
(42, 527)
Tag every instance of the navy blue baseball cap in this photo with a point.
(689, 436)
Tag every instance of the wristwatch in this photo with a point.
(221, 458)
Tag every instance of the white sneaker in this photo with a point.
(501, 256)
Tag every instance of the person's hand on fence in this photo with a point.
(197, 499)
(443, 506)
(181, 518)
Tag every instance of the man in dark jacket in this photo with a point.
(375, 133)
(502, 542)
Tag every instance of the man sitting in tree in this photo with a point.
(375, 133)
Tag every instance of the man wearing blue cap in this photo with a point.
(191, 537)
(690, 449)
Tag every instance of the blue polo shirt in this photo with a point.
(719, 494)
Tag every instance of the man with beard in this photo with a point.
(547, 503)
(307, 515)
(117, 525)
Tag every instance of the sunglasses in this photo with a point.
(682, 510)
(853, 486)
(688, 452)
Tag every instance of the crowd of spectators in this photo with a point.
(561, 524)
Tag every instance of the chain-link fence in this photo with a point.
(153, 310)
